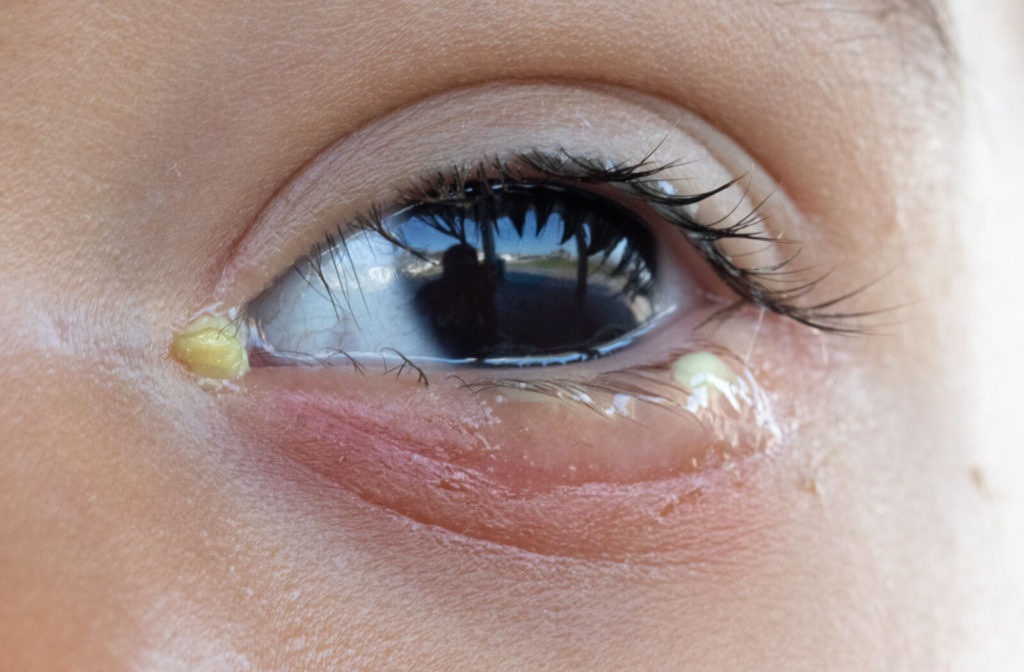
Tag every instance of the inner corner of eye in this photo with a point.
(213, 347)
(491, 272)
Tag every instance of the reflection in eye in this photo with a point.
(501, 272)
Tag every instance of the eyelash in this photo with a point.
(644, 383)
(637, 180)
(640, 181)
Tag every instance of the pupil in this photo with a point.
(519, 272)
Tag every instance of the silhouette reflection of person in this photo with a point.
(460, 305)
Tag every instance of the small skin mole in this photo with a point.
(809, 485)
(212, 347)
(979, 481)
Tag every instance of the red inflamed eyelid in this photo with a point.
(533, 474)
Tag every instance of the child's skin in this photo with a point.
(142, 526)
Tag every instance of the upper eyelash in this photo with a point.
(639, 180)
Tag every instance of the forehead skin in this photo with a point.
(138, 141)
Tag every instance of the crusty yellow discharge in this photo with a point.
(702, 370)
(212, 347)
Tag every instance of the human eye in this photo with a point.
(536, 309)
(503, 264)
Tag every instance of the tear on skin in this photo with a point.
(212, 347)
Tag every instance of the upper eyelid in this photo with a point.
(353, 173)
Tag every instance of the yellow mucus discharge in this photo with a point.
(703, 371)
(212, 347)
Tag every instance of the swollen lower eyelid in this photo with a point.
(674, 411)
(525, 461)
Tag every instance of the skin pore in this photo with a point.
(148, 522)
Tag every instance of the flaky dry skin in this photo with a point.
(142, 528)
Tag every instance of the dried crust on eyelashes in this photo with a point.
(778, 288)
(649, 384)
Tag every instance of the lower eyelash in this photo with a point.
(642, 382)
(643, 387)
(743, 413)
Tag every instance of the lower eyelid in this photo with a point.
(514, 473)
(596, 520)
